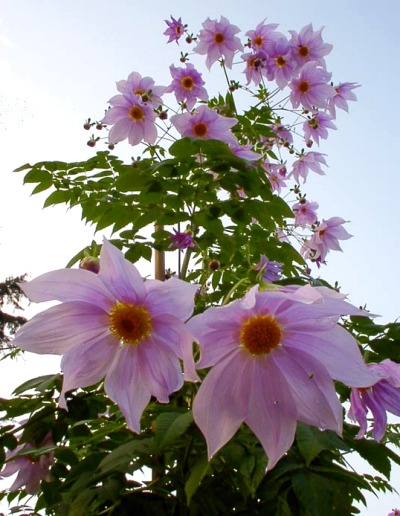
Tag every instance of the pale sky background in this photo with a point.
(59, 62)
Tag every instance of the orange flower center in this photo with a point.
(200, 130)
(187, 83)
(303, 87)
(280, 61)
(136, 114)
(138, 91)
(260, 334)
(219, 38)
(303, 51)
(258, 41)
(130, 323)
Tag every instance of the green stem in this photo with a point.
(185, 263)
(232, 290)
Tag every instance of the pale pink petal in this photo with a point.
(339, 353)
(69, 285)
(312, 389)
(87, 364)
(221, 403)
(62, 327)
(272, 410)
(160, 369)
(174, 296)
(124, 384)
(120, 276)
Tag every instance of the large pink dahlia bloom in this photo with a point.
(273, 358)
(114, 325)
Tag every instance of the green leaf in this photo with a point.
(37, 175)
(312, 441)
(120, 458)
(313, 491)
(170, 426)
(376, 454)
(40, 383)
(196, 476)
(57, 197)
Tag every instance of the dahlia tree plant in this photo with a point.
(204, 369)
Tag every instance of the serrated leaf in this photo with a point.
(312, 441)
(57, 197)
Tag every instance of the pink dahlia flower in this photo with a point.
(273, 358)
(205, 124)
(255, 66)
(175, 29)
(187, 85)
(325, 238)
(131, 118)
(317, 127)
(217, 40)
(309, 46)
(31, 469)
(305, 213)
(311, 88)
(261, 37)
(305, 162)
(114, 325)
(143, 87)
(382, 397)
(281, 65)
(343, 93)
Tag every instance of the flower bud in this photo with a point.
(90, 263)
(214, 265)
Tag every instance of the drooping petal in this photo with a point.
(87, 364)
(337, 350)
(272, 411)
(120, 276)
(221, 404)
(63, 327)
(379, 413)
(124, 384)
(358, 412)
(160, 369)
(175, 297)
(312, 389)
(69, 285)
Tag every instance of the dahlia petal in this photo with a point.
(120, 276)
(312, 389)
(221, 404)
(160, 369)
(174, 297)
(272, 410)
(125, 385)
(87, 364)
(379, 413)
(69, 285)
(62, 327)
(119, 131)
(337, 350)
(358, 412)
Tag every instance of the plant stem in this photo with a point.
(159, 259)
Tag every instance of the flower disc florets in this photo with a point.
(260, 334)
(130, 323)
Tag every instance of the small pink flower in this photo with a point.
(305, 162)
(326, 237)
(276, 173)
(382, 397)
(143, 87)
(343, 93)
(262, 36)
(131, 119)
(309, 46)
(182, 240)
(175, 29)
(255, 66)
(206, 124)
(217, 40)
(317, 127)
(310, 89)
(31, 469)
(281, 65)
(305, 213)
(187, 85)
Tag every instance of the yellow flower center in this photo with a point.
(303, 87)
(200, 129)
(138, 91)
(136, 114)
(130, 323)
(260, 334)
(187, 83)
(219, 38)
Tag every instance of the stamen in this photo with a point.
(130, 323)
(260, 334)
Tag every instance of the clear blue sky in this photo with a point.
(58, 65)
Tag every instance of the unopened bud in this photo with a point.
(214, 265)
(163, 115)
(99, 126)
(111, 146)
(90, 263)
